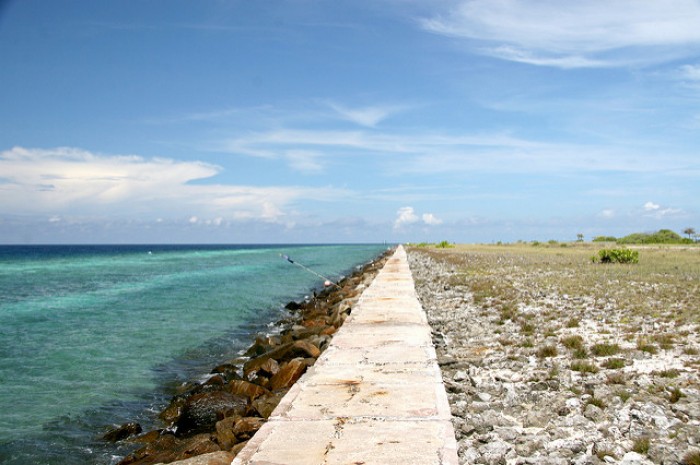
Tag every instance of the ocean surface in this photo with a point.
(94, 336)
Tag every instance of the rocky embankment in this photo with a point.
(564, 397)
(223, 412)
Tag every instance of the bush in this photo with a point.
(443, 245)
(617, 256)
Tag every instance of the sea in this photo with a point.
(95, 336)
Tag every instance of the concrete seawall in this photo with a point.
(375, 396)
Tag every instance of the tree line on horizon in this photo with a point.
(662, 236)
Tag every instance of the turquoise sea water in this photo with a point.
(94, 336)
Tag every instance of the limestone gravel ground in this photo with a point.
(536, 376)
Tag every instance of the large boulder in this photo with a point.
(201, 411)
(122, 432)
(289, 373)
(168, 449)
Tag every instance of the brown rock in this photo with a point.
(246, 389)
(265, 405)
(213, 458)
(225, 435)
(289, 373)
(203, 410)
(238, 447)
(173, 410)
(147, 438)
(307, 348)
(277, 353)
(122, 432)
(246, 427)
(228, 370)
(270, 367)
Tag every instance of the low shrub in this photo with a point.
(641, 446)
(604, 349)
(572, 342)
(583, 367)
(614, 363)
(691, 458)
(616, 256)
(675, 395)
(547, 351)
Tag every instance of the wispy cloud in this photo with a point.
(593, 33)
(431, 153)
(368, 116)
(657, 211)
(84, 183)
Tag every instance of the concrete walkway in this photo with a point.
(375, 396)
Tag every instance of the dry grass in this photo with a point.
(664, 285)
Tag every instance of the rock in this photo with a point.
(633, 458)
(213, 458)
(201, 411)
(225, 435)
(283, 352)
(293, 306)
(228, 370)
(247, 426)
(593, 412)
(265, 405)
(289, 373)
(122, 432)
(170, 449)
(246, 389)
(496, 452)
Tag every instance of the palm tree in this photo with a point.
(690, 232)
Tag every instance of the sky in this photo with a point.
(317, 121)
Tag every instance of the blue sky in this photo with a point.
(347, 120)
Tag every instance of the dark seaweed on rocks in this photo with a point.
(223, 412)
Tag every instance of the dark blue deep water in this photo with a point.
(94, 336)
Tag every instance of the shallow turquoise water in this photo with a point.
(96, 336)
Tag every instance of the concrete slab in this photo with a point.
(375, 396)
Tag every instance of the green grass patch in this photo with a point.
(605, 349)
(583, 366)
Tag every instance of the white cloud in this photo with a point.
(407, 215)
(88, 184)
(430, 219)
(608, 213)
(657, 211)
(574, 34)
(404, 216)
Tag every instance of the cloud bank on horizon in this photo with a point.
(464, 120)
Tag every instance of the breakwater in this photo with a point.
(222, 412)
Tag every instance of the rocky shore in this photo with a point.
(527, 385)
(220, 414)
